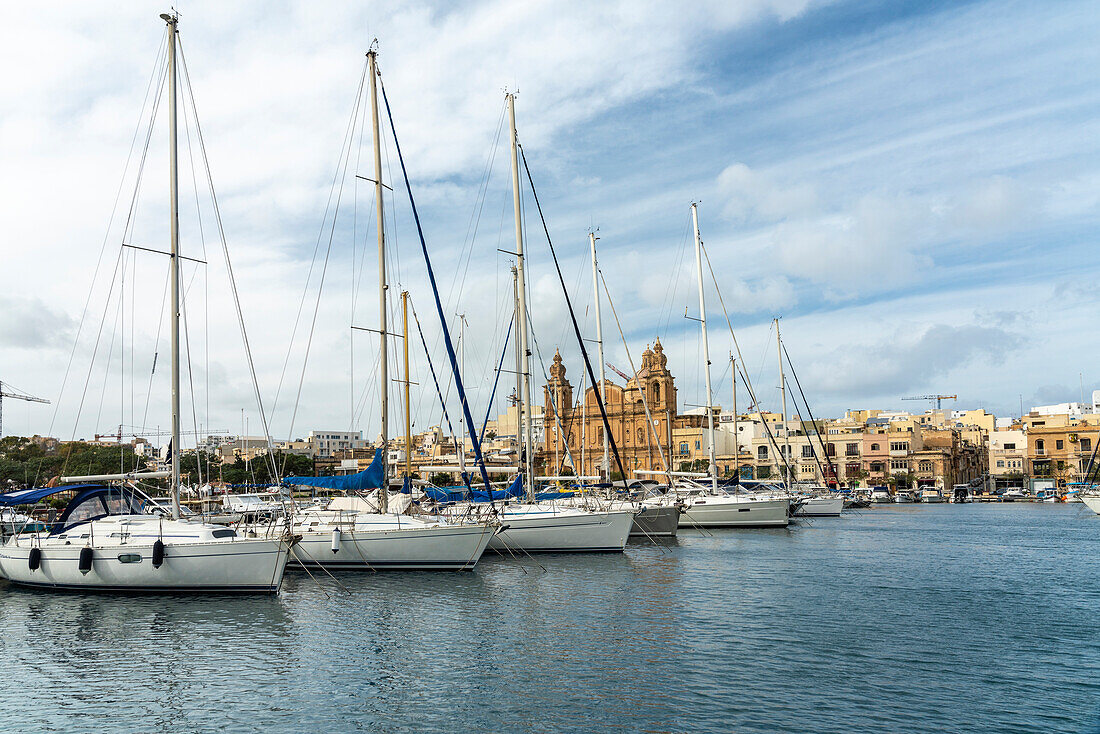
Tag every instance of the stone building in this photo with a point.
(642, 444)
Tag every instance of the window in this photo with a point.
(762, 452)
(876, 466)
(874, 447)
(697, 445)
(899, 465)
(683, 448)
(1086, 444)
(640, 436)
(830, 449)
(656, 392)
(899, 445)
(1039, 445)
(225, 533)
(1059, 444)
(925, 465)
(807, 452)
(851, 449)
(1010, 447)
(1000, 464)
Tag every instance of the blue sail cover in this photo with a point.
(462, 494)
(369, 478)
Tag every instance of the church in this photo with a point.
(577, 426)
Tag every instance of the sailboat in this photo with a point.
(710, 506)
(373, 532)
(546, 526)
(112, 538)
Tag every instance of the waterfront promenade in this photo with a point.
(903, 618)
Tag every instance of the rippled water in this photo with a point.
(948, 618)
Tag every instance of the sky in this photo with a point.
(912, 188)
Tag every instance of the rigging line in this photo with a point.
(431, 367)
(438, 302)
(634, 370)
(229, 265)
(824, 451)
(320, 235)
(496, 381)
(562, 432)
(162, 51)
(156, 347)
(190, 382)
(111, 348)
(741, 360)
(572, 316)
(91, 363)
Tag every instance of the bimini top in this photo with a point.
(35, 494)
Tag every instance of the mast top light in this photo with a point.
(168, 18)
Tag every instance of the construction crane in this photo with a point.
(625, 376)
(7, 391)
(935, 399)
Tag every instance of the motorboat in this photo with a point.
(904, 496)
(118, 539)
(881, 496)
(1016, 494)
(932, 495)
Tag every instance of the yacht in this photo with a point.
(118, 539)
(350, 533)
(705, 508)
(904, 496)
(822, 506)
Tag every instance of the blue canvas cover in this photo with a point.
(34, 494)
(369, 478)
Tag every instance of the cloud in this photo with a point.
(28, 323)
(899, 363)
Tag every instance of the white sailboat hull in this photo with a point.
(1092, 501)
(428, 548)
(821, 507)
(733, 511)
(239, 566)
(546, 529)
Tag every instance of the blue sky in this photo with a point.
(913, 188)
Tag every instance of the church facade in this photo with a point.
(642, 439)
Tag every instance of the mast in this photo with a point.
(519, 365)
(460, 444)
(604, 464)
(173, 174)
(706, 345)
(527, 444)
(383, 357)
(736, 445)
(408, 416)
(783, 389)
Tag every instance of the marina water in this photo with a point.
(978, 618)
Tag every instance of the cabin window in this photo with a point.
(130, 558)
(226, 533)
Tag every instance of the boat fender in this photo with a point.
(158, 553)
(34, 560)
(336, 540)
(502, 528)
(85, 562)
